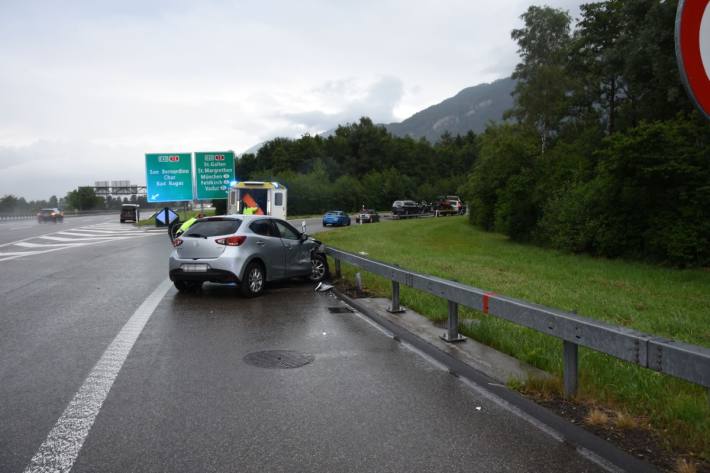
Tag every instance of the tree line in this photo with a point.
(81, 198)
(605, 153)
(361, 164)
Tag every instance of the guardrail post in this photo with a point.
(338, 274)
(452, 333)
(395, 308)
(570, 363)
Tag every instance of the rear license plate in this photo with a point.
(194, 268)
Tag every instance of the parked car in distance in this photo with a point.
(405, 207)
(336, 218)
(367, 216)
(130, 212)
(50, 215)
(249, 250)
(456, 203)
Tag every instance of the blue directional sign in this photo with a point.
(166, 216)
(169, 177)
(214, 171)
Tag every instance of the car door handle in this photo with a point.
(260, 243)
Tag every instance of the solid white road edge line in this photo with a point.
(61, 448)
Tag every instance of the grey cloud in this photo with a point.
(46, 168)
(376, 101)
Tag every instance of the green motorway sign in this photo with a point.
(214, 171)
(168, 177)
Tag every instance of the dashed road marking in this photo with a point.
(70, 238)
(54, 238)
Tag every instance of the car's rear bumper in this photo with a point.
(211, 275)
(228, 267)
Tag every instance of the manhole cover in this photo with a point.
(282, 359)
(340, 310)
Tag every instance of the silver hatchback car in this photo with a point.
(247, 249)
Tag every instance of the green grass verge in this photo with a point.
(656, 300)
(184, 215)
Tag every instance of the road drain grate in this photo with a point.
(279, 359)
(340, 310)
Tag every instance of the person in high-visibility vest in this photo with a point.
(249, 210)
(188, 223)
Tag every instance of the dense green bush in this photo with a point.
(610, 159)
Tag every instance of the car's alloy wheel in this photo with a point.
(319, 268)
(253, 283)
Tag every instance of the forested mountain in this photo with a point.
(471, 109)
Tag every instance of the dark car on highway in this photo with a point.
(367, 216)
(336, 217)
(405, 207)
(249, 250)
(53, 215)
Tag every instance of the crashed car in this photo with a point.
(249, 250)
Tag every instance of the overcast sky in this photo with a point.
(88, 87)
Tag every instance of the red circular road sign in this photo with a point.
(692, 45)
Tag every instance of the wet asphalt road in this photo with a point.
(185, 400)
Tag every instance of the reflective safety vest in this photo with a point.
(188, 223)
(249, 211)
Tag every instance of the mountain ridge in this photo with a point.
(471, 109)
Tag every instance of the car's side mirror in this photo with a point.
(303, 236)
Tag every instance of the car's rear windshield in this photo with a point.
(213, 227)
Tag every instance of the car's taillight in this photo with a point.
(177, 242)
(231, 241)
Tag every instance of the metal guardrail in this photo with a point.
(681, 360)
(13, 218)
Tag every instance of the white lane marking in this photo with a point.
(26, 244)
(85, 235)
(2, 245)
(8, 258)
(61, 448)
(46, 237)
(20, 253)
(602, 462)
(114, 232)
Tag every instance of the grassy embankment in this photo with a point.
(660, 301)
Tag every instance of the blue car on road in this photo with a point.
(336, 218)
